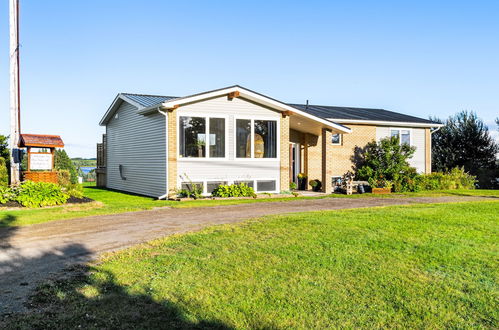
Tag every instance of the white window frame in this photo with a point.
(341, 140)
(231, 181)
(252, 119)
(400, 129)
(207, 146)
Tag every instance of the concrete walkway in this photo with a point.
(29, 255)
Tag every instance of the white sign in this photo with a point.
(40, 161)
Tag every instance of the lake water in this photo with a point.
(87, 169)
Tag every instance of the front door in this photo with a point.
(295, 162)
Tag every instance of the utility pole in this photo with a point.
(15, 114)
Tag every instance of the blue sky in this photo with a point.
(421, 58)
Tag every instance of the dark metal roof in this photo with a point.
(148, 100)
(40, 140)
(348, 113)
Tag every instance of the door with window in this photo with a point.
(294, 158)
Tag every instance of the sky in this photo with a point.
(415, 57)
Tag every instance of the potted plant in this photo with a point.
(302, 181)
(316, 185)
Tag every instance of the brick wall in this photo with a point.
(284, 145)
(342, 154)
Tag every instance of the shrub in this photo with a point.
(38, 194)
(386, 160)
(7, 194)
(292, 186)
(74, 190)
(194, 191)
(63, 162)
(234, 190)
(4, 173)
(457, 178)
(63, 178)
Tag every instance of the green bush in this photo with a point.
(63, 162)
(292, 186)
(72, 189)
(4, 173)
(234, 190)
(38, 194)
(7, 194)
(194, 191)
(386, 162)
(457, 178)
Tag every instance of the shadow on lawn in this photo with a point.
(66, 305)
(60, 301)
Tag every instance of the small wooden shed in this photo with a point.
(40, 162)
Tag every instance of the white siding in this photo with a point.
(417, 140)
(231, 168)
(138, 143)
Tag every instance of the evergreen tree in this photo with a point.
(63, 162)
(465, 141)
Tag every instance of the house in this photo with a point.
(155, 145)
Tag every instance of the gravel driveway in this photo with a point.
(29, 255)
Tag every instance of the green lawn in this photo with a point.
(110, 202)
(420, 266)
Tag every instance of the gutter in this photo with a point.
(166, 151)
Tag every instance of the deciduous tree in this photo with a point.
(465, 141)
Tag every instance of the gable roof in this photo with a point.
(331, 116)
(170, 102)
(41, 141)
(148, 100)
(363, 115)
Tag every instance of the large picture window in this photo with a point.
(194, 142)
(243, 138)
(256, 138)
(217, 137)
(265, 139)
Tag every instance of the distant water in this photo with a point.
(87, 169)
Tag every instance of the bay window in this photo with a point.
(194, 140)
(256, 138)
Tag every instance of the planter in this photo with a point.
(382, 190)
(302, 184)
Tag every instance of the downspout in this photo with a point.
(166, 151)
(431, 145)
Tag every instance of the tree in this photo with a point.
(465, 141)
(4, 147)
(384, 162)
(63, 162)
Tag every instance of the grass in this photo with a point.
(419, 266)
(111, 202)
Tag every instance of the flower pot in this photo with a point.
(382, 190)
(302, 184)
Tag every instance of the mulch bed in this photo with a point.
(71, 200)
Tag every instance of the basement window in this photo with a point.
(248, 183)
(212, 185)
(265, 185)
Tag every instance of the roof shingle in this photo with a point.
(368, 114)
(41, 141)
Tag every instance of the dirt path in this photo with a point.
(31, 254)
